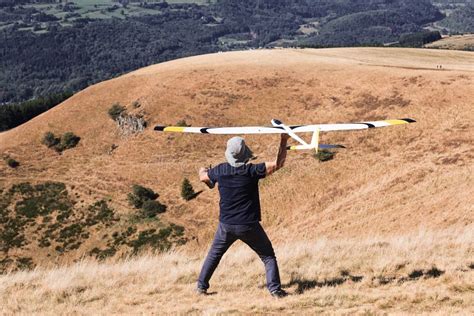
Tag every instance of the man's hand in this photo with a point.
(204, 177)
(285, 136)
(273, 166)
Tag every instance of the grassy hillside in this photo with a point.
(388, 182)
(386, 226)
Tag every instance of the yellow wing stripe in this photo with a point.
(396, 122)
(174, 129)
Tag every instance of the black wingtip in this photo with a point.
(408, 120)
(159, 128)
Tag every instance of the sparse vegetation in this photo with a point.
(116, 110)
(12, 163)
(136, 104)
(324, 155)
(151, 208)
(144, 199)
(67, 141)
(50, 140)
(140, 194)
(187, 191)
(183, 123)
(158, 240)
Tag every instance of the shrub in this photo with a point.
(136, 104)
(116, 111)
(187, 191)
(12, 163)
(152, 208)
(50, 140)
(141, 194)
(183, 123)
(68, 140)
(324, 155)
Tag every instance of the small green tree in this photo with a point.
(187, 191)
(140, 194)
(116, 110)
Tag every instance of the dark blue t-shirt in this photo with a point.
(238, 189)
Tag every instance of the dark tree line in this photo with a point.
(419, 39)
(12, 115)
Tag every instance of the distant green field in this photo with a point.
(108, 2)
(102, 9)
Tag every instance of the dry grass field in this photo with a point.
(386, 226)
(419, 273)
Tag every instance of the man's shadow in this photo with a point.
(305, 284)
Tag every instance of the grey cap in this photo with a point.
(237, 153)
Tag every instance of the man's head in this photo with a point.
(237, 153)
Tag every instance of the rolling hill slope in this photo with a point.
(388, 182)
(386, 226)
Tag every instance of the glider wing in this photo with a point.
(281, 130)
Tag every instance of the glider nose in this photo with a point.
(276, 122)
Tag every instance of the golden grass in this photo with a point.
(423, 272)
(389, 182)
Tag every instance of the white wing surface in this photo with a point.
(279, 130)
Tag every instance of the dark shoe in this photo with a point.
(200, 291)
(279, 293)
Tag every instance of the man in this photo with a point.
(240, 210)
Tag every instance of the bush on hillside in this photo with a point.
(116, 110)
(136, 104)
(12, 163)
(182, 123)
(141, 194)
(151, 208)
(67, 141)
(187, 191)
(324, 155)
(50, 140)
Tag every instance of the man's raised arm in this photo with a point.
(204, 177)
(280, 160)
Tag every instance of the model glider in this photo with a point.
(279, 128)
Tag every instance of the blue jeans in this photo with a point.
(255, 237)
